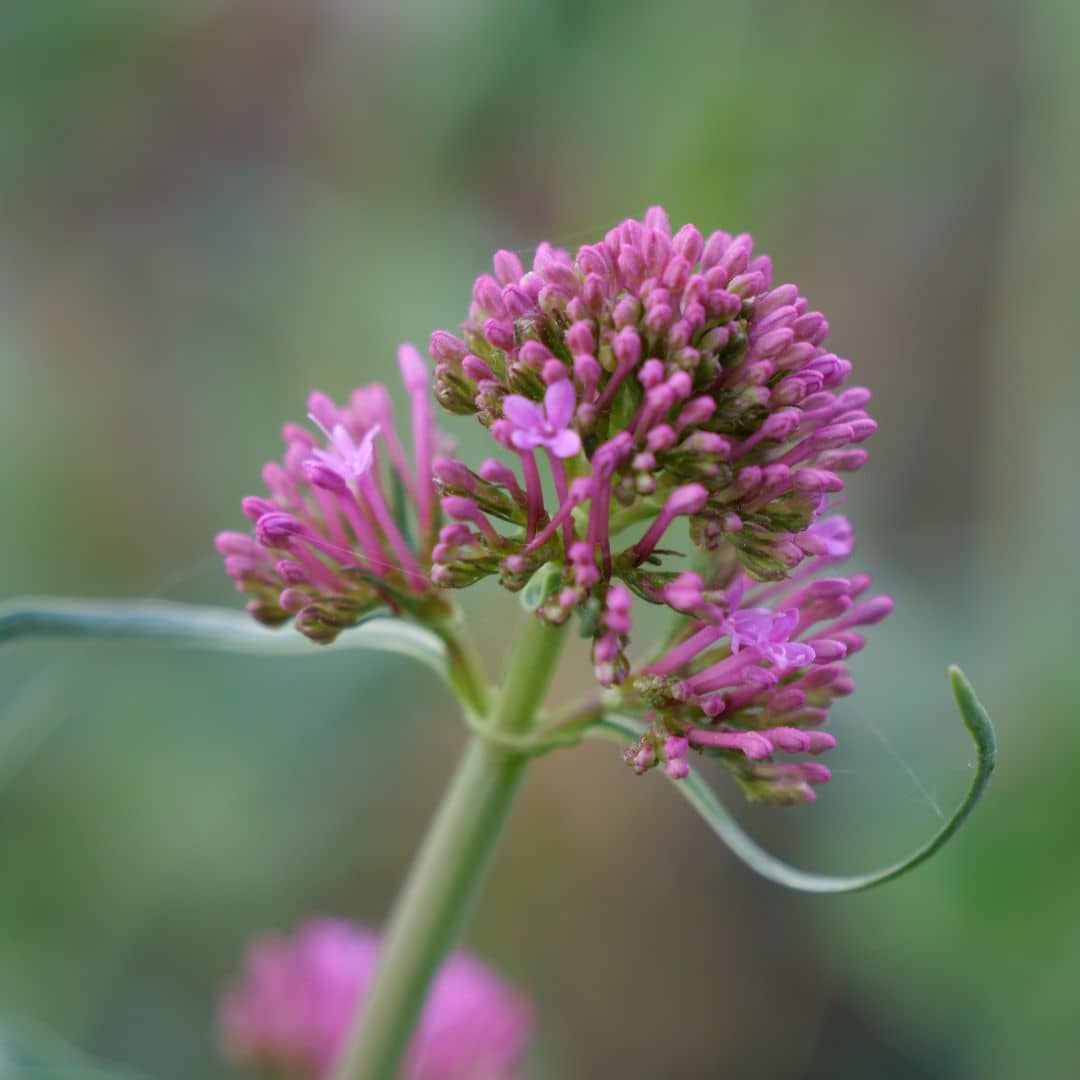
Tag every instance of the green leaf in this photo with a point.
(704, 800)
(28, 1053)
(199, 627)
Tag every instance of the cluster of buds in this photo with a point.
(655, 377)
(290, 1013)
(349, 523)
(753, 670)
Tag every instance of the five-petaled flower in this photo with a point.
(348, 457)
(547, 425)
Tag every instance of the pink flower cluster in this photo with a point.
(654, 397)
(654, 377)
(349, 522)
(754, 670)
(292, 1009)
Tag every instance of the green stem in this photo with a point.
(465, 671)
(447, 871)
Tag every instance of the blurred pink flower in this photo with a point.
(293, 1006)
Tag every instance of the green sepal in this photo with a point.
(627, 402)
(589, 617)
(540, 586)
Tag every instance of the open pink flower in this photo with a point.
(777, 647)
(769, 631)
(544, 425)
(348, 457)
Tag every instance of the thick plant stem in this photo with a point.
(450, 866)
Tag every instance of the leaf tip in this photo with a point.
(976, 719)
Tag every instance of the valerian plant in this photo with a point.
(669, 429)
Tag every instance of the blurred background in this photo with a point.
(210, 208)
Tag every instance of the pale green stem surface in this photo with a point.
(464, 670)
(450, 866)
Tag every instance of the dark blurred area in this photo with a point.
(210, 208)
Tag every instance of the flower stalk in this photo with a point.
(451, 864)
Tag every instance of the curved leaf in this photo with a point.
(719, 819)
(202, 627)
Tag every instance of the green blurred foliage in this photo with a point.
(210, 208)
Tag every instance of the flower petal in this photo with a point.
(734, 592)
(566, 444)
(791, 654)
(559, 402)
(838, 535)
(526, 440)
(524, 414)
(749, 626)
(784, 624)
(365, 452)
(342, 443)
